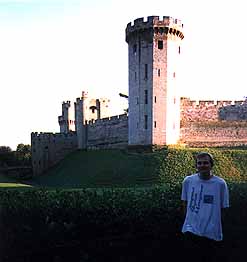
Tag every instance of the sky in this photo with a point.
(52, 50)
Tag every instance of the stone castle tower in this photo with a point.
(154, 101)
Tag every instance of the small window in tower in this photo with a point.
(135, 76)
(155, 99)
(179, 50)
(146, 96)
(146, 71)
(154, 124)
(146, 122)
(174, 74)
(137, 101)
(134, 49)
(160, 44)
(158, 72)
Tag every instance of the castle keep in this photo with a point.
(157, 115)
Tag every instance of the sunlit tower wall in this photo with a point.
(154, 48)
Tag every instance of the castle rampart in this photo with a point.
(50, 148)
(212, 110)
(108, 132)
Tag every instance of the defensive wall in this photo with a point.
(213, 123)
(211, 110)
(50, 148)
(109, 132)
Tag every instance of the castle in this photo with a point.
(157, 115)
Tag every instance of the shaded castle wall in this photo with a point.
(48, 149)
(108, 132)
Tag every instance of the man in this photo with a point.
(203, 195)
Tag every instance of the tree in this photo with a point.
(5, 149)
(23, 154)
(6, 156)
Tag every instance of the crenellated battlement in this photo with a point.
(66, 104)
(166, 25)
(108, 120)
(218, 103)
(42, 136)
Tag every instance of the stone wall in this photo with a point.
(212, 110)
(108, 132)
(48, 149)
(208, 134)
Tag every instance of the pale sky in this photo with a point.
(51, 50)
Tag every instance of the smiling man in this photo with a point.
(203, 195)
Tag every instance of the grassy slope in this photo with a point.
(115, 168)
(101, 168)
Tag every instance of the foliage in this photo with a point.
(36, 224)
(23, 154)
(20, 157)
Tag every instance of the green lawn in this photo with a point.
(6, 182)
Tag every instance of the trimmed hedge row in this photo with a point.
(119, 224)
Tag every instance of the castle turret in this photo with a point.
(154, 101)
(80, 120)
(66, 120)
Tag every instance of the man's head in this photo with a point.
(204, 164)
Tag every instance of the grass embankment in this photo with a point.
(119, 168)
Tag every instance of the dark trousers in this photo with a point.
(202, 249)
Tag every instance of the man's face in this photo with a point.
(203, 165)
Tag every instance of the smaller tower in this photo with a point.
(80, 120)
(66, 120)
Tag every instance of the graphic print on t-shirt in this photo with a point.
(208, 199)
(195, 200)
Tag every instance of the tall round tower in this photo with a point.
(154, 101)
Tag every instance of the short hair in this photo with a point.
(203, 154)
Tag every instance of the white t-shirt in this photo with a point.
(205, 198)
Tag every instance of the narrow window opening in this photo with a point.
(146, 71)
(134, 49)
(137, 101)
(146, 122)
(154, 124)
(174, 74)
(135, 76)
(155, 99)
(159, 72)
(146, 97)
(160, 44)
(179, 50)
